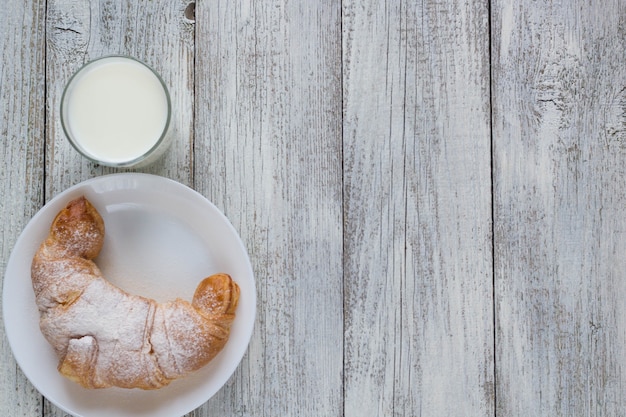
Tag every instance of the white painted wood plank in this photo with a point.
(21, 157)
(418, 259)
(155, 32)
(559, 128)
(268, 153)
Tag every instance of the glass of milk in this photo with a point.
(116, 111)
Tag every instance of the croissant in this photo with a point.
(106, 337)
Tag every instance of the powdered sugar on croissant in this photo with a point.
(106, 337)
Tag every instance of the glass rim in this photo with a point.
(92, 158)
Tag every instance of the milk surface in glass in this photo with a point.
(116, 110)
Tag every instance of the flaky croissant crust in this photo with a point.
(106, 337)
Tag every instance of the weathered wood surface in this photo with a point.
(430, 192)
(559, 129)
(155, 32)
(268, 153)
(417, 204)
(22, 102)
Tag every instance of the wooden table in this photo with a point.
(432, 193)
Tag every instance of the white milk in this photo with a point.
(115, 110)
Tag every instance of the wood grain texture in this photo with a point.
(155, 32)
(269, 112)
(21, 157)
(559, 126)
(417, 217)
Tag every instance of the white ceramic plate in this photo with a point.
(162, 239)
